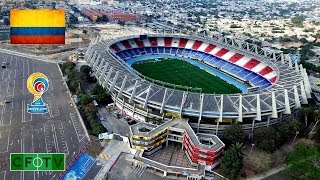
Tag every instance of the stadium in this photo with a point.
(254, 86)
(185, 90)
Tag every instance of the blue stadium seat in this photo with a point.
(186, 52)
(130, 52)
(154, 50)
(251, 76)
(220, 63)
(141, 50)
(161, 49)
(256, 81)
(136, 52)
(167, 50)
(205, 57)
(174, 50)
(121, 55)
(180, 50)
(148, 50)
(243, 73)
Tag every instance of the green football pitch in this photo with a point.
(179, 72)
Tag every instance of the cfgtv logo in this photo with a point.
(37, 162)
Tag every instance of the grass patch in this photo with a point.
(180, 72)
(304, 161)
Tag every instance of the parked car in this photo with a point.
(4, 65)
(103, 118)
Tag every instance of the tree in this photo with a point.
(6, 21)
(263, 133)
(295, 126)
(297, 21)
(265, 138)
(96, 89)
(121, 23)
(90, 108)
(85, 69)
(233, 134)
(68, 65)
(72, 19)
(306, 111)
(317, 135)
(232, 161)
(53, 4)
(303, 40)
(104, 18)
(97, 128)
(284, 131)
(85, 99)
(267, 145)
(75, 85)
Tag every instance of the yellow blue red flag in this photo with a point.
(37, 26)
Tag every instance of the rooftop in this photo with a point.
(204, 141)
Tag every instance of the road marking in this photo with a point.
(14, 87)
(23, 69)
(7, 123)
(22, 108)
(28, 72)
(53, 176)
(2, 112)
(23, 86)
(4, 175)
(75, 127)
(22, 151)
(55, 138)
(2, 75)
(9, 75)
(62, 139)
(45, 137)
(32, 143)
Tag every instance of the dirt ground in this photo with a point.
(259, 162)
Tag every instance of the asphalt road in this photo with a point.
(60, 130)
(112, 124)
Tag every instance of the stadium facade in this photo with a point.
(273, 87)
(278, 85)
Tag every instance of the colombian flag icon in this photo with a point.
(37, 26)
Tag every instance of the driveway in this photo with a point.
(113, 125)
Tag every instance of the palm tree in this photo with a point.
(238, 148)
(306, 111)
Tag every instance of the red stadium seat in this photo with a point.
(222, 52)
(251, 64)
(139, 42)
(167, 41)
(209, 48)
(126, 44)
(153, 41)
(115, 47)
(273, 80)
(236, 57)
(196, 45)
(182, 43)
(266, 70)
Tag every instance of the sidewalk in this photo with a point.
(269, 173)
(113, 149)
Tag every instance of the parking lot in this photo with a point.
(59, 130)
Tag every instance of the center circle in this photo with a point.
(36, 161)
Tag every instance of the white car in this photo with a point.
(103, 118)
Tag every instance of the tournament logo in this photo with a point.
(37, 84)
